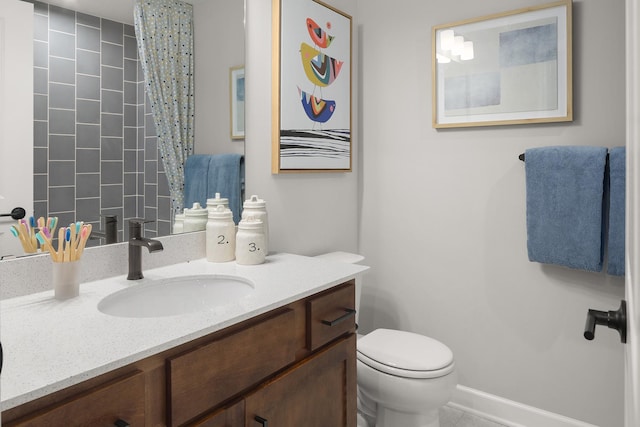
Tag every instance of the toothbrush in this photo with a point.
(52, 222)
(20, 236)
(41, 225)
(67, 246)
(48, 236)
(25, 224)
(32, 232)
(46, 243)
(72, 241)
(61, 244)
(24, 228)
(86, 231)
(28, 246)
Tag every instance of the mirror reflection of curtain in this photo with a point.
(164, 30)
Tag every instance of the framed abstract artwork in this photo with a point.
(311, 86)
(508, 68)
(236, 94)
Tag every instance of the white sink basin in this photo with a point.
(175, 296)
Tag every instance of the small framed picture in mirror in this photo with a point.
(237, 102)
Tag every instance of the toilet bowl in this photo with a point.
(406, 375)
(403, 377)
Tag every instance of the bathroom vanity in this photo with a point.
(283, 355)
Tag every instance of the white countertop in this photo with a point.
(50, 345)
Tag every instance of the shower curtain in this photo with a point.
(164, 30)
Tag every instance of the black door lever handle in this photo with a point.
(612, 319)
(16, 213)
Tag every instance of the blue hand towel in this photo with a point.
(226, 176)
(565, 187)
(617, 180)
(196, 171)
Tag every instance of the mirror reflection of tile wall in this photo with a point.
(95, 147)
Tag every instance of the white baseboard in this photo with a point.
(508, 412)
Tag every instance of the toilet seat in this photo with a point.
(405, 354)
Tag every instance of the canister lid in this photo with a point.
(196, 210)
(250, 223)
(217, 201)
(220, 212)
(254, 202)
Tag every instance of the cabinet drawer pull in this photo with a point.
(121, 423)
(349, 312)
(261, 420)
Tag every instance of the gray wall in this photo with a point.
(95, 145)
(440, 215)
(448, 250)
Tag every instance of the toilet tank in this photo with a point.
(349, 258)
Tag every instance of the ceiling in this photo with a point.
(115, 10)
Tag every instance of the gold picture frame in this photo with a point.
(311, 88)
(508, 68)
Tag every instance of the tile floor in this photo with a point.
(453, 417)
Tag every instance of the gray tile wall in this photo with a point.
(95, 146)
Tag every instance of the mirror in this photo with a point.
(95, 149)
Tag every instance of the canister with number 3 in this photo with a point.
(250, 242)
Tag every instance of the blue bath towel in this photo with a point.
(565, 187)
(226, 176)
(617, 180)
(196, 171)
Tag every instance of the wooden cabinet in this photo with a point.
(329, 315)
(319, 392)
(293, 366)
(120, 399)
(232, 416)
(207, 376)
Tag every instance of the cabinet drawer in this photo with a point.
(201, 379)
(122, 398)
(318, 392)
(330, 315)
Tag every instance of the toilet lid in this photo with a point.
(405, 354)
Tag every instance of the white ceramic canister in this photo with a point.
(195, 218)
(255, 207)
(221, 235)
(250, 242)
(212, 203)
(178, 222)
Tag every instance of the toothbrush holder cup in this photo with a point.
(66, 279)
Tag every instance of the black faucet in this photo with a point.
(110, 233)
(136, 242)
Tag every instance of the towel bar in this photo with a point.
(521, 157)
(16, 213)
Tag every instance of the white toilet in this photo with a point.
(403, 378)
